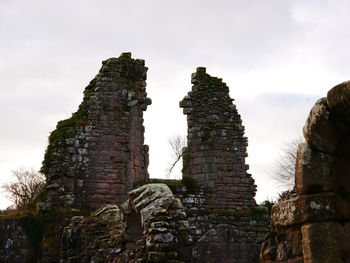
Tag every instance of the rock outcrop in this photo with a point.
(314, 224)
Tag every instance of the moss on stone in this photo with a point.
(66, 129)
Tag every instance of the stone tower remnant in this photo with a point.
(215, 156)
(313, 226)
(94, 157)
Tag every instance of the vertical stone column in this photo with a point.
(215, 156)
(94, 157)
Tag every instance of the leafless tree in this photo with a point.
(25, 186)
(284, 172)
(177, 144)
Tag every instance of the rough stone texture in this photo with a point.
(324, 242)
(319, 131)
(284, 246)
(119, 235)
(338, 100)
(14, 244)
(320, 212)
(254, 222)
(215, 156)
(94, 157)
(314, 171)
(237, 247)
(306, 208)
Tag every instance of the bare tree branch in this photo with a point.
(177, 144)
(285, 166)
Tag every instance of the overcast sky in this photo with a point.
(277, 56)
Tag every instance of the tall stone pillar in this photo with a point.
(94, 157)
(215, 156)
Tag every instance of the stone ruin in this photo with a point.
(313, 224)
(215, 156)
(101, 205)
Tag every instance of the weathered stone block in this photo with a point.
(313, 172)
(338, 100)
(156, 257)
(319, 130)
(238, 246)
(323, 242)
(307, 208)
(145, 195)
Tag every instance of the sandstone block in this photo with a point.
(319, 130)
(144, 195)
(110, 212)
(305, 209)
(323, 242)
(313, 171)
(338, 99)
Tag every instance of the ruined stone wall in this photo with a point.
(14, 246)
(94, 157)
(313, 225)
(254, 222)
(19, 239)
(150, 227)
(96, 213)
(215, 156)
(155, 226)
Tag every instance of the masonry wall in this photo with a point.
(94, 157)
(19, 238)
(215, 156)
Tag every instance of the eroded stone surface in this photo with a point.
(314, 171)
(319, 130)
(338, 100)
(225, 243)
(324, 242)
